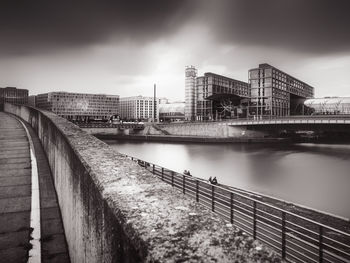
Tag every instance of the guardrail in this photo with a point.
(135, 126)
(296, 238)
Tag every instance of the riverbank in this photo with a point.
(199, 139)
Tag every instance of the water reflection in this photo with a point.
(316, 176)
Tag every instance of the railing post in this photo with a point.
(197, 190)
(320, 244)
(153, 169)
(183, 183)
(212, 198)
(172, 178)
(132, 158)
(162, 174)
(254, 219)
(283, 235)
(231, 208)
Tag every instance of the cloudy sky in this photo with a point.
(123, 47)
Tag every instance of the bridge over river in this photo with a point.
(117, 209)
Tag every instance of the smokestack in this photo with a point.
(154, 104)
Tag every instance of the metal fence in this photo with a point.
(136, 126)
(296, 238)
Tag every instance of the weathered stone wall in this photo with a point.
(115, 211)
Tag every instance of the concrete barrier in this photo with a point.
(115, 211)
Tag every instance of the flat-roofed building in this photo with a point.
(13, 95)
(213, 96)
(79, 106)
(220, 97)
(170, 112)
(140, 108)
(276, 93)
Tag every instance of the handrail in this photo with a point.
(218, 198)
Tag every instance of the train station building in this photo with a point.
(214, 97)
(275, 93)
(269, 92)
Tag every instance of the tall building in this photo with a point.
(32, 100)
(213, 97)
(275, 93)
(79, 106)
(220, 97)
(139, 108)
(13, 95)
(190, 93)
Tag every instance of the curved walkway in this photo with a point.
(15, 197)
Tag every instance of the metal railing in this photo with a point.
(296, 238)
(137, 126)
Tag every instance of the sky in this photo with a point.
(124, 47)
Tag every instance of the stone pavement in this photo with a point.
(15, 197)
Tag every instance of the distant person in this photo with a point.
(214, 181)
(210, 180)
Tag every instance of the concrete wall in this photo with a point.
(115, 211)
(210, 130)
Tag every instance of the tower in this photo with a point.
(190, 93)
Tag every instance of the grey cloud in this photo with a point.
(313, 26)
(36, 26)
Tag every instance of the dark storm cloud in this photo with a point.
(302, 25)
(316, 26)
(34, 26)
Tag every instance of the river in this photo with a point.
(313, 175)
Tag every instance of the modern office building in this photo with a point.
(140, 108)
(275, 93)
(79, 106)
(213, 97)
(220, 97)
(13, 95)
(170, 112)
(328, 106)
(32, 100)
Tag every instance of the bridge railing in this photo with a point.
(296, 238)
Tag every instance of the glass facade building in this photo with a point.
(275, 93)
(219, 97)
(213, 97)
(79, 106)
(328, 106)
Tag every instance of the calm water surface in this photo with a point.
(313, 175)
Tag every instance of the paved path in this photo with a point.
(15, 197)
